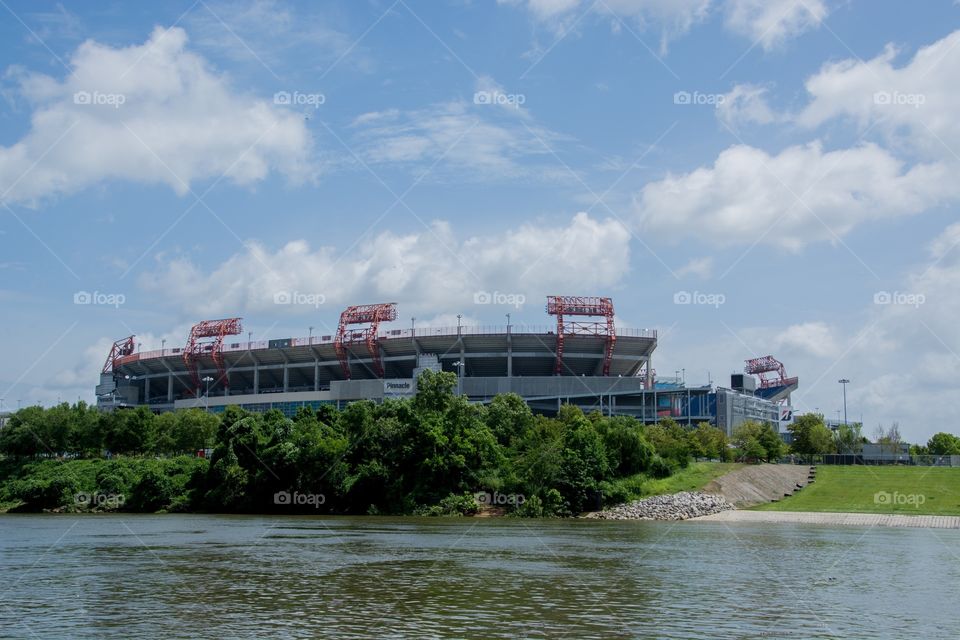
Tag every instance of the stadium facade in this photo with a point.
(582, 359)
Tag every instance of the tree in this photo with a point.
(194, 429)
(509, 417)
(944, 444)
(758, 441)
(811, 436)
(164, 427)
(889, 439)
(628, 451)
(129, 431)
(712, 441)
(670, 441)
(772, 443)
(21, 437)
(584, 460)
(848, 438)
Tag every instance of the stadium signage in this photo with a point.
(398, 388)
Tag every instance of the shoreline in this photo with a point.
(832, 518)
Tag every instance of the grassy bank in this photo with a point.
(902, 490)
(693, 478)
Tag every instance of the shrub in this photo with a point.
(453, 505)
(45, 492)
(154, 491)
(660, 468)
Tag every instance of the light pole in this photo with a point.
(310, 339)
(163, 347)
(844, 382)
(459, 365)
(459, 316)
(249, 339)
(206, 397)
(508, 323)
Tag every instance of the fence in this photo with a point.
(874, 460)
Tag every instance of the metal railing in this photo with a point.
(389, 334)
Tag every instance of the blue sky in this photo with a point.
(433, 150)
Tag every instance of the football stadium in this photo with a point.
(581, 358)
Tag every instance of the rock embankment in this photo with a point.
(679, 506)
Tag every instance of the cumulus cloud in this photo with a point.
(814, 337)
(914, 104)
(803, 194)
(429, 271)
(153, 113)
(771, 22)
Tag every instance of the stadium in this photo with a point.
(582, 359)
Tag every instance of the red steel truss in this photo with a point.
(585, 306)
(217, 330)
(120, 348)
(369, 314)
(766, 365)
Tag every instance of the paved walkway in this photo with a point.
(856, 519)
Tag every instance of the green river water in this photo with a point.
(202, 576)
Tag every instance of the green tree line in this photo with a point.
(428, 454)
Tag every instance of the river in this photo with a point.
(201, 576)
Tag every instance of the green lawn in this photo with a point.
(904, 490)
(693, 478)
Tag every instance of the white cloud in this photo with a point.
(771, 22)
(87, 368)
(428, 271)
(546, 9)
(264, 32)
(163, 117)
(672, 17)
(700, 267)
(487, 140)
(768, 22)
(749, 195)
(746, 104)
(922, 340)
(903, 355)
(814, 337)
(915, 104)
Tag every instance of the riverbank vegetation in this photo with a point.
(433, 453)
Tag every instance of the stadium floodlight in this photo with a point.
(844, 382)
(459, 365)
